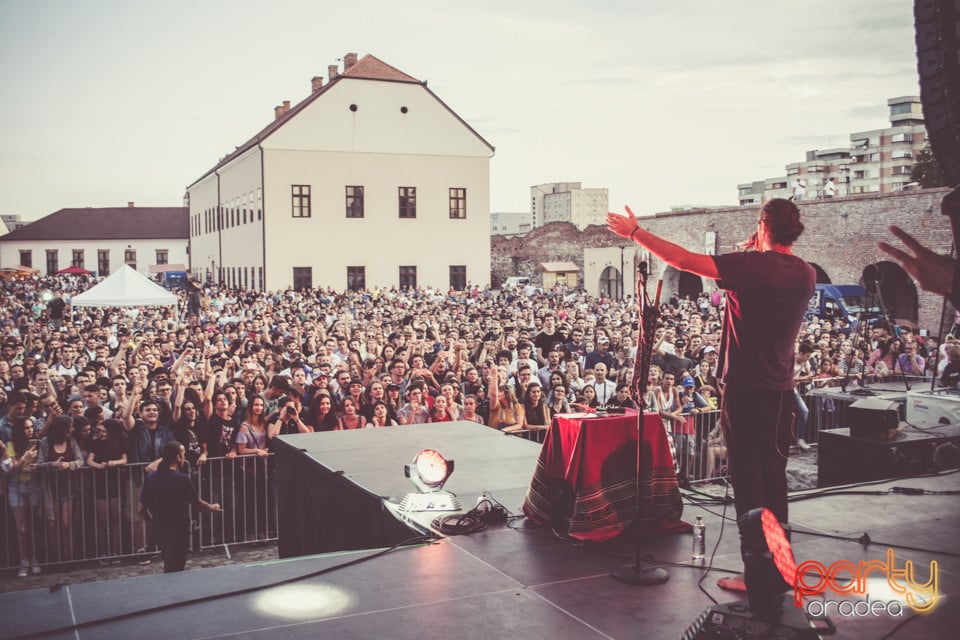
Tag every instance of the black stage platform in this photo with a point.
(518, 581)
(351, 474)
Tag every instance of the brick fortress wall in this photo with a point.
(841, 238)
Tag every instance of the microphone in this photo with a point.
(749, 244)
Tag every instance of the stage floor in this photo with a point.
(517, 580)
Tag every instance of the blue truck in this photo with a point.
(173, 280)
(839, 301)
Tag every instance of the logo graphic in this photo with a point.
(845, 577)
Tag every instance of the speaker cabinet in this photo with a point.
(873, 416)
(845, 459)
(938, 65)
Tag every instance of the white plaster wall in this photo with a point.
(595, 260)
(378, 126)
(329, 242)
(328, 147)
(146, 252)
(238, 244)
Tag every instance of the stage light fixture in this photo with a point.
(428, 472)
(768, 564)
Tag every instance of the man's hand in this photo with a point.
(933, 271)
(621, 225)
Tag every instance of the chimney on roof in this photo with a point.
(333, 71)
(130, 205)
(349, 60)
(316, 83)
(281, 109)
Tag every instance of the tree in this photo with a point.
(926, 169)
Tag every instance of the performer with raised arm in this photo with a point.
(767, 289)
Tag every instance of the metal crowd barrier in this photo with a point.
(699, 456)
(700, 451)
(93, 514)
(534, 435)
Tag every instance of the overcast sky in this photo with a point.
(665, 103)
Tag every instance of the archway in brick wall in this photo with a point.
(898, 291)
(611, 283)
(691, 286)
(681, 284)
(822, 277)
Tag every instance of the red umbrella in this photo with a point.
(74, 271)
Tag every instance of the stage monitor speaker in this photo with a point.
(844, 458)
(872, 416)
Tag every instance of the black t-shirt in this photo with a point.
(670, 363)
(366, 411)
(103, 451)
(219, 436)
(56, 307)
(189, 439)
(767, 296)
(168, 496)
(544, 342)
(287, 426)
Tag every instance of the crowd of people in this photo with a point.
(228, 372)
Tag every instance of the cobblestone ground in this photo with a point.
(801, 473)
(92, 571)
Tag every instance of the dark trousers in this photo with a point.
(757, 427)
(173, 548)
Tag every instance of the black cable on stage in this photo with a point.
(843, 489)
(922, 429)
(863, 539)
(867, 540)
(702, 498)
(473, 521)
(237, 592)
(909, 491)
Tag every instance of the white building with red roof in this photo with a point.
(100, 239)
(370, 181)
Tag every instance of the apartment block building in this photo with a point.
(568, 202)
(876, 161)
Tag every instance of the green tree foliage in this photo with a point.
(926, 169)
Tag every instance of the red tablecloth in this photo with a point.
(585, 478)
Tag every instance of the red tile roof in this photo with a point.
(110, 223)
(367, 68)
(373, 68)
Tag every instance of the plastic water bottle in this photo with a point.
(699, 539)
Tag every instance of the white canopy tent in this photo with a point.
(125, 288)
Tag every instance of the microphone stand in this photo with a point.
(636, 573)
(886, 315)
(870, 290)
